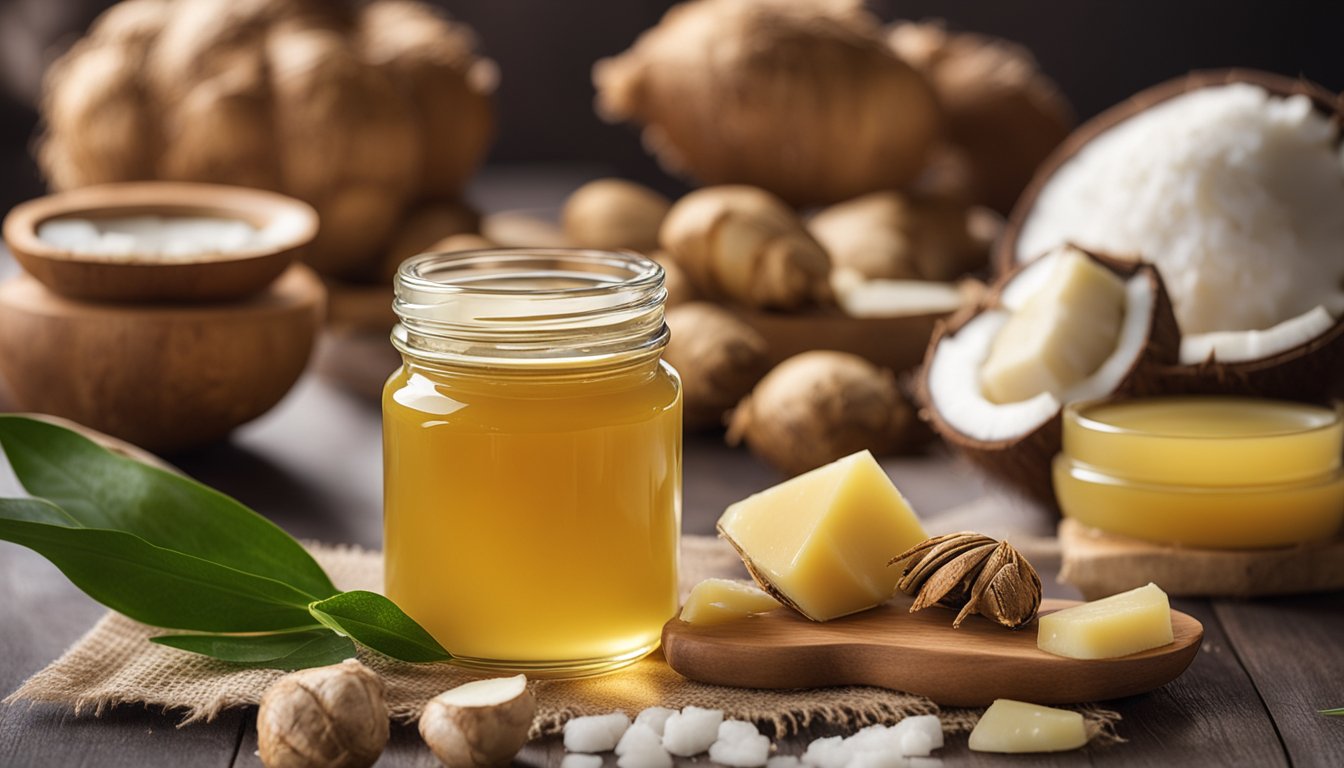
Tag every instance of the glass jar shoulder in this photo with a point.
(541, 403)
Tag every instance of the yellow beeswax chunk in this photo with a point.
(1113, 626)
(822, 540)
(714, 601)
(1016, 726)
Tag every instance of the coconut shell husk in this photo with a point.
(1022, 463)
(1326, 101)
(1312, 371)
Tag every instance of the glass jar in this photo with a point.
(532, 458)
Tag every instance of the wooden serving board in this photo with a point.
(920, 653)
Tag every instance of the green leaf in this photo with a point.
(1336, 712)
(377, 622)
(281, 650)
(152, 584)
(100, 489)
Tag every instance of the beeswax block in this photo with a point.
(1016, 726)
(822, 540)
(714, 601)
(1113, 626)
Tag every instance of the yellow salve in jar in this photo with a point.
(532, 458)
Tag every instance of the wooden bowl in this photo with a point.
(217, 276)
(166, 376)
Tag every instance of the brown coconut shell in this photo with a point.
(1023, 462)
(1311, 371)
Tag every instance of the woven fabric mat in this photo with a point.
(114, 663)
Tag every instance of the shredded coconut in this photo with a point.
(1234, 194)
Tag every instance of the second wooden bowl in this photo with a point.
(208, 276)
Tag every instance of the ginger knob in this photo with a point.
(480, 723)
(745, 244)
(333, 716)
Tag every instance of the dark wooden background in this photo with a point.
(1100, 51)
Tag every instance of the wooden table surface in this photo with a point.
(313, 465)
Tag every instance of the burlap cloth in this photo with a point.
(114, 663)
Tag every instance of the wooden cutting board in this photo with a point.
(920, 653)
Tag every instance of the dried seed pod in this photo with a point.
(974, 573)
(334, 717)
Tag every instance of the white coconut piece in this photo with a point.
(1235, 195)
(955, 390)
(691, 731)
(894, 298)
(736, 730)
(929, 725)
(1239, 346)
(655, 718)
(595, 733)
(645, 757)
(828, 752)
(638, 737)
(742, 751)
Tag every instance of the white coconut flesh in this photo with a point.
(894, 298)
(1234, 194)
(954, 383)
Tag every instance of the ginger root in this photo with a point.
(328, 717)
(613, 214)
(819, 406)
(1000, 109)
(745, 244)
(799, 97)
(719, 358)
(480, 723)
(889, 236)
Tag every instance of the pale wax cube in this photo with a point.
(1016, 726)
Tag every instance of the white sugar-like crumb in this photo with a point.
(741, 751)
(874, 737)
(929, 725)
(580, 760)
(638, 737)
(691, 731)
(655, 718)
(735, 730)
(595, 733)
(830, 752)
(916, 743)
(68, 234)
(645, 758)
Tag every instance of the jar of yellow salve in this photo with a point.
(532, 458)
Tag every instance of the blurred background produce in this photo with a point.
(832, 177)
(1098, 53)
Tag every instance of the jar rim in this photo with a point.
(641, 270)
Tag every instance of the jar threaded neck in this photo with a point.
(522, 307)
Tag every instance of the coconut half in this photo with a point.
(1014, 442)
(1244, 227)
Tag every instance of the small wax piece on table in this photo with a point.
(822, 540)
(1016, 726)
(714, 601)
(1113, 626)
